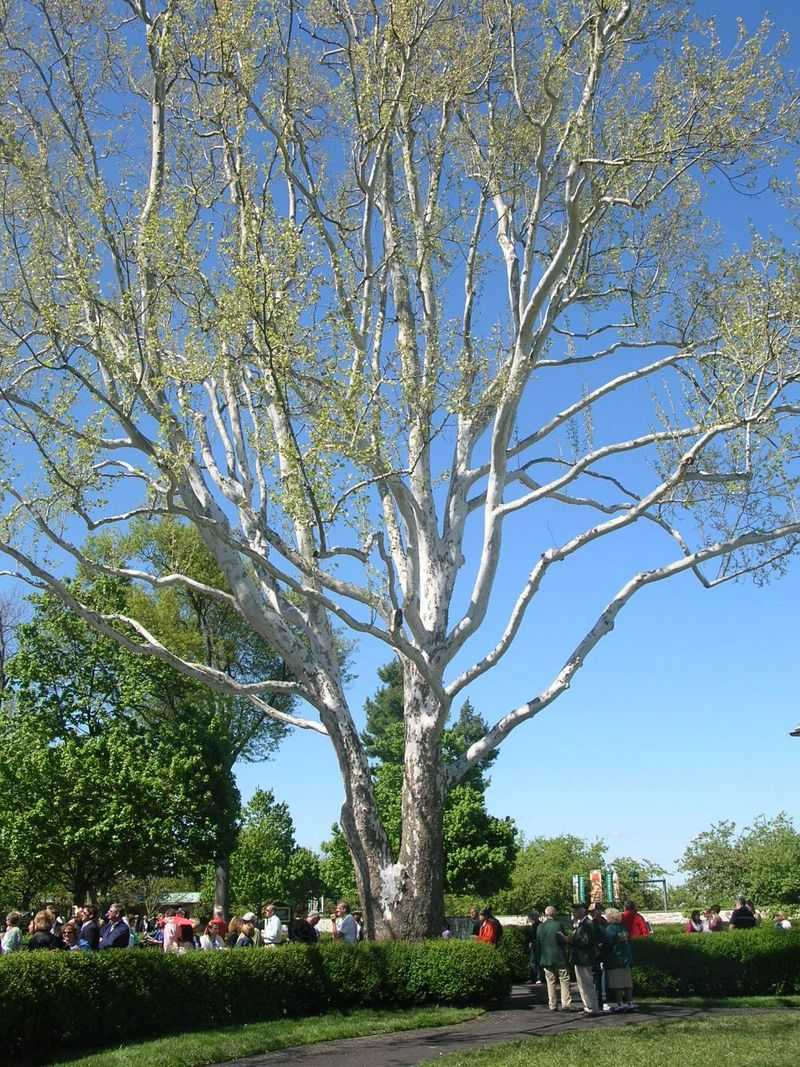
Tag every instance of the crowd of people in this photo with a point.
(171, 930)
(599, 941)
(745, 916)
(596, 946)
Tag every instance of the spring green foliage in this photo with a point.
(761, 862)
(95, 701)
(479, 848)
(267, 864)
(543, 870)
(125, 993)
(514, 948)
(94, 781)
(336, 867)
(78, 811)
(759, 962)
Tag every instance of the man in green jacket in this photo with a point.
(551, 944)
(583, 952)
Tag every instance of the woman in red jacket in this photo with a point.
(634, 923)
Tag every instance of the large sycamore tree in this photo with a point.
(355, 287)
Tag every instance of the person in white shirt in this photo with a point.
(346, 928)
(273, 929)
(211, 940)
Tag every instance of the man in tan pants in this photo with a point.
(551, 943)
(583, 951)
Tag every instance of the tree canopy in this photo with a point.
(267, 864)
(355, 290)
(88, 695)
(93, 783)
(760, 862)
(542, 874)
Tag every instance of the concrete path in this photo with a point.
(525, 1014)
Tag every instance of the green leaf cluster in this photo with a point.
(544, 867)
(267, 864)
(761, 862)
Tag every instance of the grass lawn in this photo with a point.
(723, 1002)
(229, 1043)
(757, 1039)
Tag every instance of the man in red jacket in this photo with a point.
(490, 930)
(634, 923)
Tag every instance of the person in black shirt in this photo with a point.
(534, 969)
(303, 931)
(41, 936)
(742, 918)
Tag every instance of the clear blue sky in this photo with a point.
(679, 720)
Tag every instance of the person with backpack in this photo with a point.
(490, 931)
(583, 952)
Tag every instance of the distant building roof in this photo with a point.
(173, 899)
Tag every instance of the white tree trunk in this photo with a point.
(403, 898)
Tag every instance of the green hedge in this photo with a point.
(514, 950)
(730, 964)
(55, 1002)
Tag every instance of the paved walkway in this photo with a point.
(524, 1015)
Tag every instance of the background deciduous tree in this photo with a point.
(78, 810)
(108, 766)
(355, 289)
(267, 864)
(208, 631)
(761, 862)
(543, 872)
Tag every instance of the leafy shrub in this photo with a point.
(513, 948)
(735, 963)
(96, 999)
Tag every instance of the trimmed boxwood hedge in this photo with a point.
(56, 1002)
(757, 962)
(761, 962)
(514, 948)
